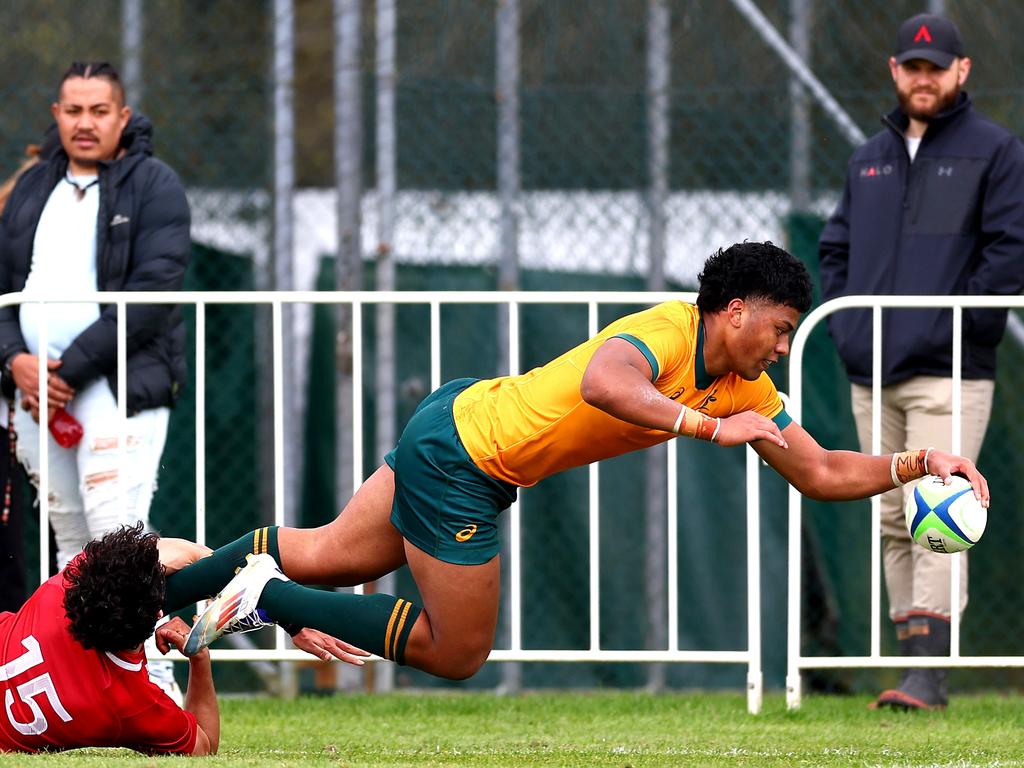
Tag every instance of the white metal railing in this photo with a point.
(749, 656)
(796, 661)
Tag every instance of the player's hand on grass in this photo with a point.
(173, 635)
(748, 426)
(175, 554)
(945, 465)
(324, 646)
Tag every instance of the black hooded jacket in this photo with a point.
(950, 223)
(142, 244)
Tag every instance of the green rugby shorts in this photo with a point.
(444, 504)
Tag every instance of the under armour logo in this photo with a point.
(945, 170)
(119, 219)
(923, 34)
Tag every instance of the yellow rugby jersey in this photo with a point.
(520, 429)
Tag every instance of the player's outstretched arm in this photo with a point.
(201, 697)
(201, 701)
(847, 475)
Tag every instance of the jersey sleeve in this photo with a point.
(162, 728)
(660, 339)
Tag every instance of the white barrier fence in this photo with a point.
(749, 656)
(796, 660)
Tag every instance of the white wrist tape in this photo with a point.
(679, 419)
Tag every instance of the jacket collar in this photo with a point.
(898, 121)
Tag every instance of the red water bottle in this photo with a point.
(65, 429)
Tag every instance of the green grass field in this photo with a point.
(595, 729)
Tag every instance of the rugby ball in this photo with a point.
(944, 517)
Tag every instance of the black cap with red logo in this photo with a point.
(929, 37)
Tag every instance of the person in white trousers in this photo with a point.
(99, 213)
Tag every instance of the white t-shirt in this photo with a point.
(912, 145)
(63, 260)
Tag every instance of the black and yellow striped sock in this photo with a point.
(205, 578)
(376, 623)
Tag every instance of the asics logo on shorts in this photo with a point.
(466, 533)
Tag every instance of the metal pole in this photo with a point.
(131, 50)
(799, 110)
(386, 188)
(509, 182)
(509, 186)
(937, 7)
(507, 20)
(284, 191)
(656, 501)
(348, 181)
(348, 273)
(798, 67)
(658, 22)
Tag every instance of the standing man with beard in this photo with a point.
(933, 204)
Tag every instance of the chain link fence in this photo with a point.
(610, 144)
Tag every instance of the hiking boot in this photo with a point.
(921, 687)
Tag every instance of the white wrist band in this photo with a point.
(679, 419)
(718, 426)
(892, 472)
(926, 460)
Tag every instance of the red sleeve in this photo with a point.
(161, 728)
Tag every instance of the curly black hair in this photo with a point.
(115, 591)
(753, 271)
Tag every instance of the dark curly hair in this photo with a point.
(115, 590)
(753, 271)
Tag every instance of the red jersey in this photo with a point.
(58, 695)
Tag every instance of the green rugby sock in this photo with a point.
(376, 623)
(206, 577)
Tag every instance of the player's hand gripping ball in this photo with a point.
(945, 518)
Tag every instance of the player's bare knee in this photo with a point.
(469, 666)
(462, 662)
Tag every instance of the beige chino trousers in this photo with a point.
(918, 413)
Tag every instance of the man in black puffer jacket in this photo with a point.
(100, 213)
(934, 204)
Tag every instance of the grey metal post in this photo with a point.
(658, 21)
(386, 188)
(348, 272)
(284, 191)
(507, 82)
(348, 164)
(655, 498)
(131, 50)
(798, 68)
(507, 96)
(799, 110)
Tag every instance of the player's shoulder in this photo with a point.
(677, 313)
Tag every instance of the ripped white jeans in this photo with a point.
(85, 481)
